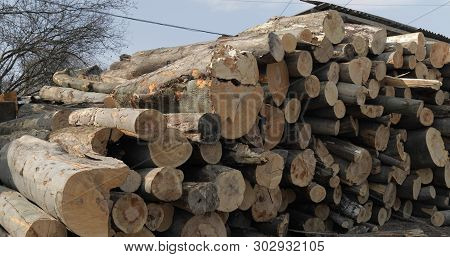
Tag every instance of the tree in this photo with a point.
(40, 37)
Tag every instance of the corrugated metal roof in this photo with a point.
(322, 6)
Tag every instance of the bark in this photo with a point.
(69, 188)
(198, 198)
(320, 126)
(203, 154)
(426, 148)
(328, 72)
(352, 94)
(197, 127)
(296, 136)
(44, 121)
(394, 104)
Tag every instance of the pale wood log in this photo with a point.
(378, 70)
(426, 148)
(375, 36)
(267, 204)
(328, 72)
(437, 53)
(373, 87)
(197, 127)
(45, 121)
(313, 192)
(354, 172)
(75, 188)
(322, 49)
(229, 182)
(306, 223)
(277, 226)
(299, 63)
(393, 60)
(409, 62)
(296, 136)
(70, 96)
(85, 141)
(203, 154)
(278, 81)
(160, 216)
(356, 71)
(272, 127)
(421, 53)
(129, 212)
(161, 184)
(322, 153)
(387, 91)
(416, 37)
(198, 198)
(84, 81)
(440, 218)
(186, 225)
(329, 23)
(328, 96)
(305, 87)
(267, 48)
(379, 215)
(249, 197)
(411, 83)
(267, 174)
(21, 218)
(426, 175)
(238, 154)
(171, 149)
(143, 124)
(420, 71)
(291, 109)
(299, 166)
(132, 182)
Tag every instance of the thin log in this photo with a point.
(161, 184)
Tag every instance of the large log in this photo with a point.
(267, 204)
(267, 174)
(375, 36)
(70, 96)
(272, 126)
(299, 166)
(148, 125)
(186, 225)
(21, 218)
(441, 176)
(129, 212)
(160, 216)
(320, 126)
(83, 80)
(299, 63)
(437, 53)
(85, 141)
(45, 121)
(328, 72)
(198, 127)
(296, 136)
(278, 81)
(198, 198)
(426, 148)
(74, 190)
(356, 71)
(351, 94)
(230, 184)
(328, 96)
(161, 184)
(329, 23)
(171, 149)
(203, 154)
(394, 104)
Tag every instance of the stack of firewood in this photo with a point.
(302, 125)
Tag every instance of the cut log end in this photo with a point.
(292, 109)
(333, 27)
(172, 149)
(269, 174)
(129, 213)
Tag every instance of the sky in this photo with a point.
(233, 16)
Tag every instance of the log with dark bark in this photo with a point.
(296, 136)
(203, 154)
(441, 176)
(352, 94)
(75, 189)
(328, 96)
(197, 127)
(394, 104)
(426, 148)
(275, 227)
(45, 121)
(440, 218)
(229, 182)
(305, 222)
(299, 166)
(320, 126)
(198, 198)
(328, 72)
(351, 209)
(410, 188)
(304, 88)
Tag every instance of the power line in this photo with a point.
(350, 4)
(285, 8)
(137, 19)
(425, 14)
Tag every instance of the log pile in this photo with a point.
(300, 125)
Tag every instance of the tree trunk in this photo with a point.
(394, 104)
(299, 166)
(299, 63)
(132, 182)
(437, 53)
(410, 188)
(85, 141)
(198, 198)
(129, 212)
(393, 60)
(278, 81)
(411, 83)
(160, 216)
(21, 218)
(378, 70)
(70, 96)
(305, 87)
(441, 218)
(426, 175)
(356, 71)
(424, 119)
(426, 148)
(238, 154)
(267, 174)
(328, 96)
(45, 121)
(427, 193)
(291, 109)
(186, 225)
(351, 209)
(203, 154)
(321, 126)
(312, 192)
(344, 52)
(351, 93)
(75, 189)
(82, 82)
(161, 184)
(197, 127)
(374, 135)
(267, 204)
(171, 149)
(230, 184)
(375, 36)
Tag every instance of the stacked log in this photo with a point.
(303, 124)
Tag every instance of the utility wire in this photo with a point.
(350, 4)
(137, 19)
(425, 14)
(285, 8)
